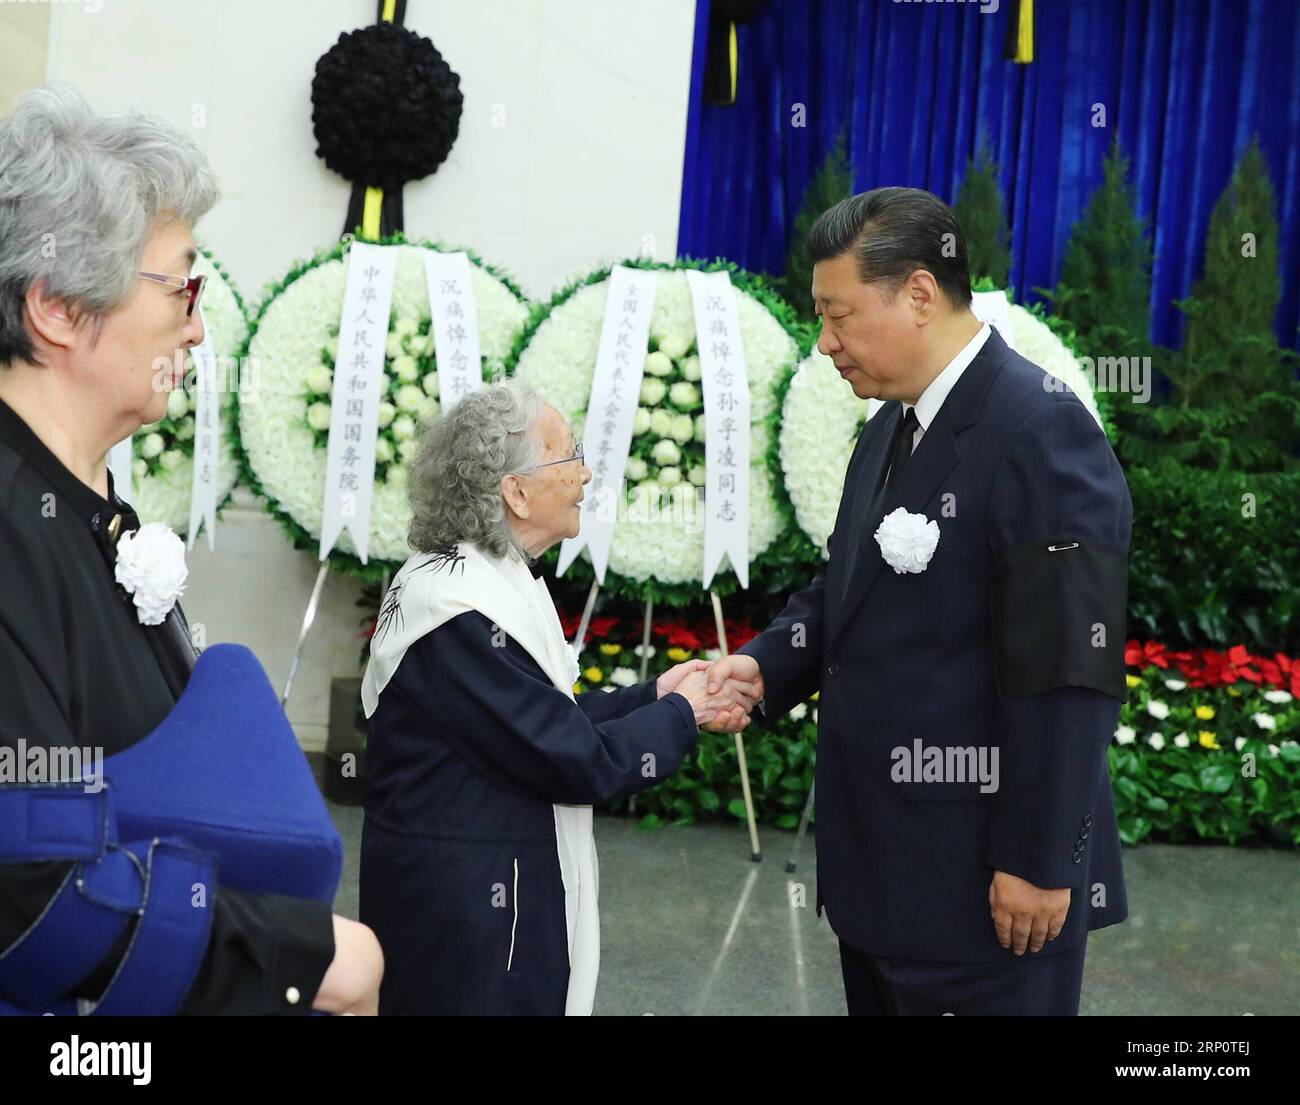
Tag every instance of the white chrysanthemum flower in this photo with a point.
(292, 329)
(623, 677)
(799, 711)
(682, 429)
(653, 391)
(640, 421)
(1277, 697)
(1175, 684)
(1264, 721)
(1156, 741)
(150, 567)
(907, 541)
(675, 345)
(1239, 743)
(1181, 740)
(661, 421)
(670, 477)
(691, 369)
(318, 416)
(1125, 734)
(1158, 709)
(636, 469)
(320, 380)
(684, 396)
(658, 364)
(666, 452)
(409, 397)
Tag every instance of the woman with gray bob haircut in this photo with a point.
(96, 292)
(478, 863)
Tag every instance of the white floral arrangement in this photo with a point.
(162, 452)
(284, 426)
(659, 536)
(822, 418)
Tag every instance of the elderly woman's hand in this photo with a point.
(667, 683)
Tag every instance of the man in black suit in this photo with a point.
(966, 832)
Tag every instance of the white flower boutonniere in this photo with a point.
(907, 541)
(151, 568)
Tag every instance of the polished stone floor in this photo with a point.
(690, 925)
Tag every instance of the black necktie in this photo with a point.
(901, 449)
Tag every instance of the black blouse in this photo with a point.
(77, 669)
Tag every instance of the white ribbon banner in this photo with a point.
(207, 440)
(455, 325)
(995, 309)
(726, 424)
(119, 463)
(611, 409)
(354, 403)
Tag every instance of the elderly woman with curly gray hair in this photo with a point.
(478, 863)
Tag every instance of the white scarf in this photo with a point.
(504, 591)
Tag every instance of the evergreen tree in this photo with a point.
(832, 182)
(1105, 287)
(981, 213)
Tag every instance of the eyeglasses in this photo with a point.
(192, 284)
(577, 455)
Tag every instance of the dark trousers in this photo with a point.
(1030, 986)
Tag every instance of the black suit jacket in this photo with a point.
(1008, 646)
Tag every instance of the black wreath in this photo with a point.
(386, 106)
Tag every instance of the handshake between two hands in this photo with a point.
(722, 693)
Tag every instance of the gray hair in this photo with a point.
(78, 192)
(455, 478)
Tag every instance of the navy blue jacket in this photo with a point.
(1011, 639)
(469, 747)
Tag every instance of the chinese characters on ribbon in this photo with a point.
(726, 424)
(455, 325)
(611, 408)
(358, 387)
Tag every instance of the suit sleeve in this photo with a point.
(1059, 524)
(602, 706)
(789, 651)
(498, 709)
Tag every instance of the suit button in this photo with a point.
(1078, 845)
(1078, 857)
(1087, 820)
(834, 669)
(1083, 834)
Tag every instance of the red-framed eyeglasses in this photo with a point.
(191, 284)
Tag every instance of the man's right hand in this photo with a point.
(736, 668)
(351, 985)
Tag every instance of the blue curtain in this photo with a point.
(1185, 84)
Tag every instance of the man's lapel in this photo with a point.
(934, 458)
